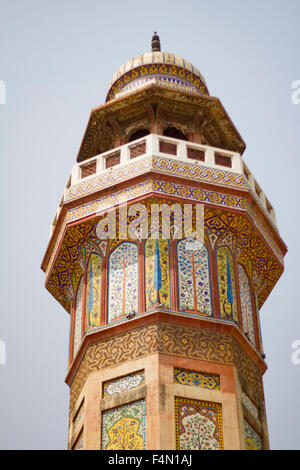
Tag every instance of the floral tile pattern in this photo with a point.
(123, 428)
(93, 284)
(123, 281)
(157, 267)
(253, 439)
(123, 384)
(193, 277)
(197, 379)
(198, 425)
(226, 281)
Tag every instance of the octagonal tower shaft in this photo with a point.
(165, 346)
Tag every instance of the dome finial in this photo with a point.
(155, 42)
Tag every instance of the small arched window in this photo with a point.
(175, 133)
(138, 134)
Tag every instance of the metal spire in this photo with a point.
(155, 42)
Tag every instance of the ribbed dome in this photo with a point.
(162, 68)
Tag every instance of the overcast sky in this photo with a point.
(57, 58)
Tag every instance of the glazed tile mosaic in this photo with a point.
(246, 303)
(123, 428)
(123, 384)
(250, 251)
(198, 425)
(253, 439)
(250, 405)
(226, 281)
(197, 379)
(179, 79)
(163, 165)
(194, 281)
(123, 281)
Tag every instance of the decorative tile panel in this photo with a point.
(157, 268)
(246, 304)
(253, 439)
(78, 317)
(123, 281)
(123, 428)
(197, 379)
(198, 425)
(194, 280)
(123, 384)
(226, 281)
(93, 291)
(251, 407)
(204, 345)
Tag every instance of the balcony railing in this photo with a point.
(161, 146)
(157, 145)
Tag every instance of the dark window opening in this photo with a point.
(138, 134)
(175, 133)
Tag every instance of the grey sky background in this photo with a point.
(57, 59)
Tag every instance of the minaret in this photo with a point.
(165, 342)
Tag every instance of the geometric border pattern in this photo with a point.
(169, 339)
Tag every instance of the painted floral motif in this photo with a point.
(93, 291)
(157, 268)
(197, 379)
(193, 276)
(123, 428)
(123, 384)
(123, 281)
(198, 425)
(245, 295)
(78, 317)
(226, 281)
(253, 439)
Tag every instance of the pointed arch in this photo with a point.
(193, 278)
(226, 284)
(93, 290)
(123, 281)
